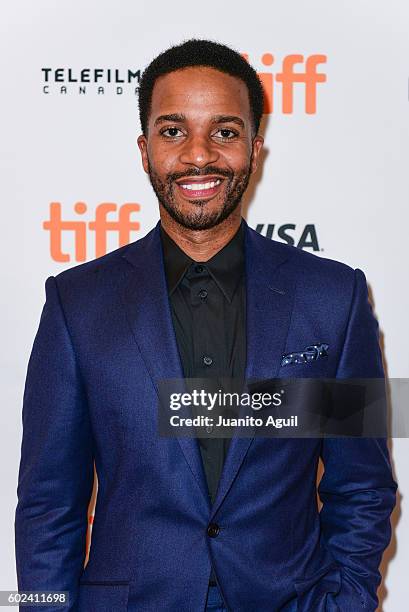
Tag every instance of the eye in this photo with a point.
(226, 134)
(171, 132)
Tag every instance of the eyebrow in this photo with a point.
(179, 118)
(228, 119)
(175, 117)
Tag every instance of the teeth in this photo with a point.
(201, 186)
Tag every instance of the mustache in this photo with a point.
(197, 173)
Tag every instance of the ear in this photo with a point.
(143, 147)
(258, 142)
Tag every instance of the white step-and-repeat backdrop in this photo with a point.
(334, 179)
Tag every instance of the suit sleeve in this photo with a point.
(56, 467)
(357, 488)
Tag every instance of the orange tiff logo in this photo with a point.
(307, 75)
(122, 224)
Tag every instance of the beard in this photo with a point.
(200, 218)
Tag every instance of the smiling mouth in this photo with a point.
(204, 189)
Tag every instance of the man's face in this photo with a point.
(199, 150)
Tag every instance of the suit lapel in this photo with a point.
(145, 297)
(269, 302)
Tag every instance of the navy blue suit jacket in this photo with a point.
(104, 341)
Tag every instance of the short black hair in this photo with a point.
(196, 52)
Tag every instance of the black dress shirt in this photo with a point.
(208, 310)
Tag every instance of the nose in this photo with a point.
(199, 151)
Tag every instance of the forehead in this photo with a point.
(200, 90)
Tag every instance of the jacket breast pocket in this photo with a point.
(103, 597)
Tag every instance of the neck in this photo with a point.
(201, 245)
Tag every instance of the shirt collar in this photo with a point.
(226, 267)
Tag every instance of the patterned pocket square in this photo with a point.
(310, 353)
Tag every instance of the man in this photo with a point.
(181, 524)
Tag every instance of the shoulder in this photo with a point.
(305, 265)
(85, 270)
(318, 282)
(104, 267)
(87, 286)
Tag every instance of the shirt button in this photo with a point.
(198, 269)
(213, 530)
(207, 360)
(203, 294)
(209, 429)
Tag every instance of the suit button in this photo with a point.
(213, 530)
